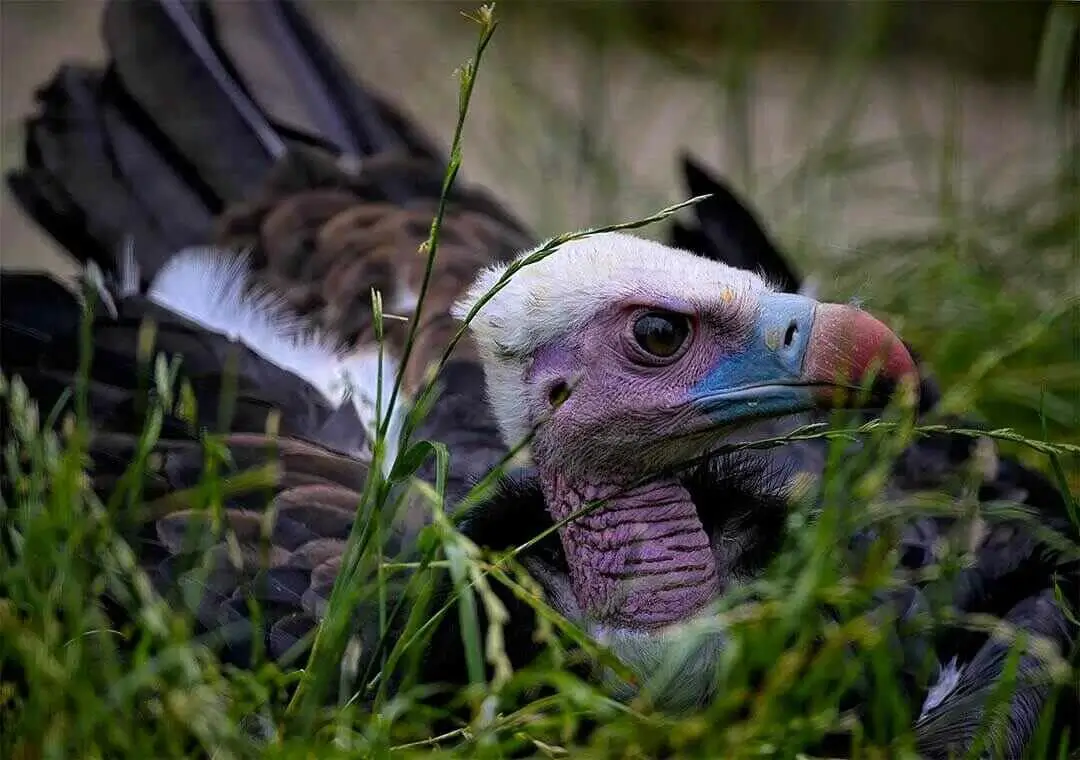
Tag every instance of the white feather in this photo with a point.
(947, 682)
(211, 287)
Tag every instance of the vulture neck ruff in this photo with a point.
(639, 556)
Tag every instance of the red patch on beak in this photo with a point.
(847, 346)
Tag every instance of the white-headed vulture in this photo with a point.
(238, 188)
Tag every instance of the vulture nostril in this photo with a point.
(789, 335)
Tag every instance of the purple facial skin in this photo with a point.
(643, 561)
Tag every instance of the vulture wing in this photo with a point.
(234, 126)
(312, 485)
(331, 188)
(729, 231)
(276, 150)
(1015, 575)
(289, 457)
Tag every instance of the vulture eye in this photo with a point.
(661, 334)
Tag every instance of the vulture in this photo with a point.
(235, 196)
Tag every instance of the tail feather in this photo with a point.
(254, 78)
(302, 85)
(97, 179)
(163, 57)
(731, 231)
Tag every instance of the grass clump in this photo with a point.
(805, 644)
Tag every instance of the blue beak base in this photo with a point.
(804, 355)
(767, 378)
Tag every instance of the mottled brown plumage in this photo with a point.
(280, 542)
(323, 237)
(331, 188)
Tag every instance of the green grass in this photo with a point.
(1000, 342)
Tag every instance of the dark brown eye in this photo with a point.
(661, 334)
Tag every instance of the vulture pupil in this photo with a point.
(661, 334)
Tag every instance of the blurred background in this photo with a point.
(920, 158)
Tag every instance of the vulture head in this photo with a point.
(624, 359)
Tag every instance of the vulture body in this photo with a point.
(250, 226)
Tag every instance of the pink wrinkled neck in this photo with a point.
(640, 561)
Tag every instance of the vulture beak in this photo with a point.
(804, 355)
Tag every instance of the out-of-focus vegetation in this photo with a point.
(990, 40)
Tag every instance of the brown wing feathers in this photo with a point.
(277, 543)
(332, 192)
(289, 504)
(323, 238)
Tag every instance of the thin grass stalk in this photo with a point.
(485, 18)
